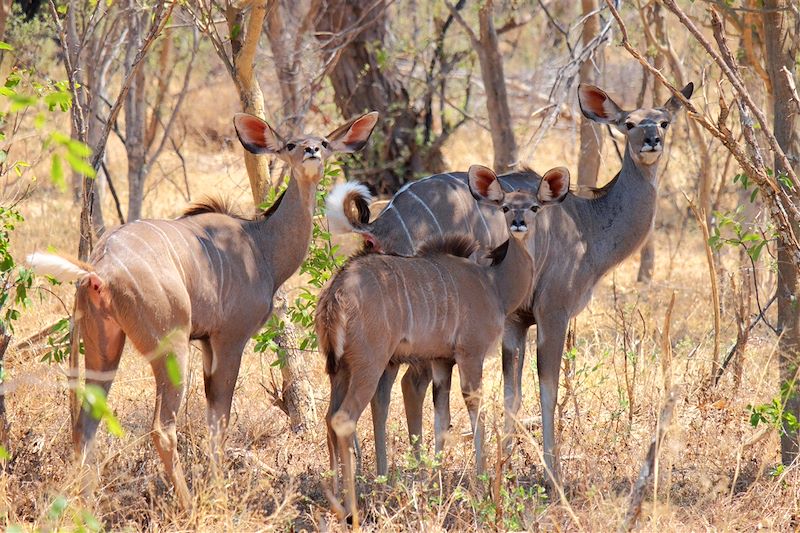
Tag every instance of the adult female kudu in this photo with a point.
(437, 309)
(207, 276)
(593, 236)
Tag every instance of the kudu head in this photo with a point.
(305, 155)
(643, 128)
(519, 206)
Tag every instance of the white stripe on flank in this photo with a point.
(428, 209)
(202, 232)
(403, 225)
(176, 259)
(445, 296)
(463, 206)
(141, 259)
(122, 266)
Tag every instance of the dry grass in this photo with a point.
(273, 476)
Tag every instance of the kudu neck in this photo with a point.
(284, 236)
(512, 277)
(617, 223)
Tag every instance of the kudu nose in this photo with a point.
(652, 141)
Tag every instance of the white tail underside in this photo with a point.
(334, 205)
(56, 266)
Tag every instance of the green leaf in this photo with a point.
(21, 101)
(5, 46)
(80, 165)
(58, 507)
(78, 149)
(236, 31)
(62, 100)
(57, 172)
(4, 455)
(173, 370)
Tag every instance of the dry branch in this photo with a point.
(650, 463)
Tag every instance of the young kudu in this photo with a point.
(207, 276)
(437, 309)
(574, 247)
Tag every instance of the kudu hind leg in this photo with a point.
(221, 362)
(442, 371)
(380, 413)
(415, 383)
(514, 340)
(103, 341)
(169, 395)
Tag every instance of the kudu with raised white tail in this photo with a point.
(207, 276)
(437, 308)
(574, 246)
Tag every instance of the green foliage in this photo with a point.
(731, 230)
(93, 399)
(514, 503)
(320, 264)
(15, 281)
(774, 413)
(58, 343)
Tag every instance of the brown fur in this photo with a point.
(212, 204)
(457, 244)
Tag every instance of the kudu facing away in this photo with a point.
(437, 309)
(207, 276)
(574, 247)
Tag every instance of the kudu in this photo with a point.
(592, 236)
(437, 308)
(207, 276)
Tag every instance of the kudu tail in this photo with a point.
(330, 322)
(58, 267)
(347, 207)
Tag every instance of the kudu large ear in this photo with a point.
(598, 106)
(483, 184)
(256, 135)
(673, 105)
(353, 135)
(554, 186)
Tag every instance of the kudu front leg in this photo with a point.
(414, 384)
(169, 395)
(514, 340)
(470, 369)
(380, 414)
(551, 333)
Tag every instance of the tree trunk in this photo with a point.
(5, 339)
(781, 50)
(362, 82)
(244, 44)
(494, 82)
(647, 256)
(135, 119)
(286, 57)
(590, 131)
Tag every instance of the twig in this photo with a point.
(650, 464)
(113, 192)
(700, 215)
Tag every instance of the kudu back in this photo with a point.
(437, 308)
(207, 276)
(574, 246)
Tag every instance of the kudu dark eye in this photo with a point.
(664, 125)
(505, 209)
(290, 146)
(630, 125)
(534, 208)
(325, 144)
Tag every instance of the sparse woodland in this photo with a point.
(678, 403)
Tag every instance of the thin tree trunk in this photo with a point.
(135, 119)
(590, 132)
(362, 82)
(494, 82)
(5, 339)
(781, 49)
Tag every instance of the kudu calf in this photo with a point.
(574, 247)
(437, 309)
(207, 276)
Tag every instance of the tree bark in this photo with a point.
(494, 82)
(135, 119)
(781, 49)
(5, 339)
(590, 132)
(363, 82)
